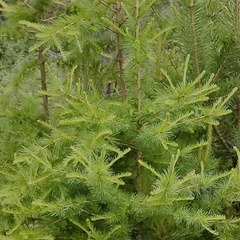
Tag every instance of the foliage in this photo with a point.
(141, 96)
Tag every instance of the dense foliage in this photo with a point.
(119, 119)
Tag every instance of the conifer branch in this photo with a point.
(194, 38)
(225, 143)
(237, 19)
(28, 5)
(53, 18)
(209, 142)
(237, 15)
(43, 83)
(218, 71)
(139, 109)
(137, 58)
(105, 4)
(120, 52)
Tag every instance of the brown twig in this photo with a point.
(43, 83)
(28, 5)
(52, 18)
(224, 142)
(228, 146)
(105, 4)
(218, 71)
(123, 21)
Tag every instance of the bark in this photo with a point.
(120, 52)
(43, 83)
